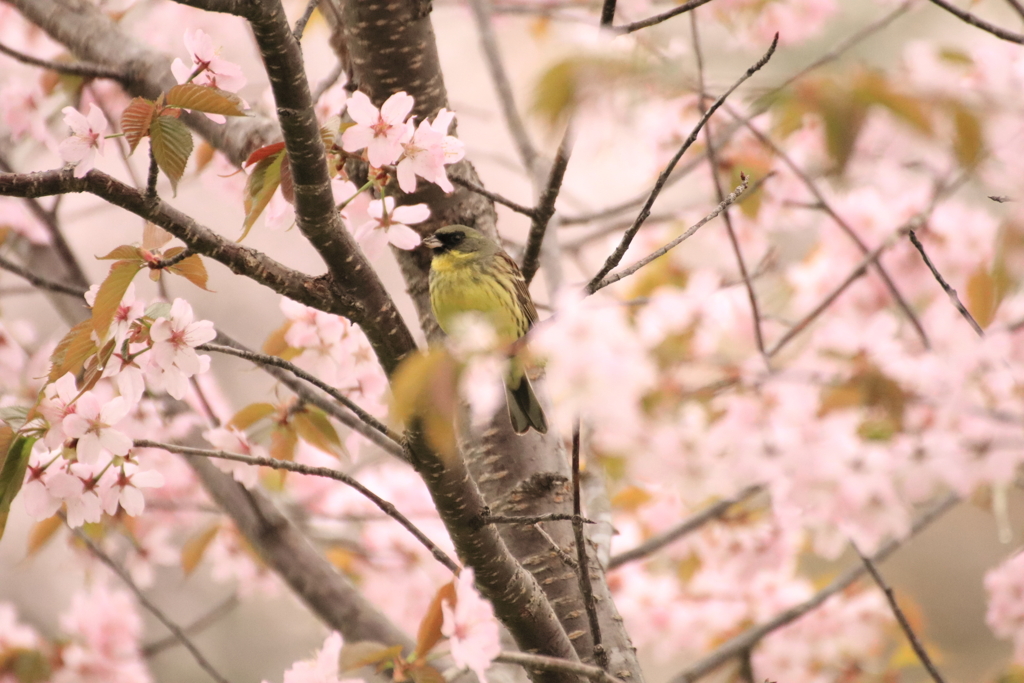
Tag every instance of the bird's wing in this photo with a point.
(522, 292)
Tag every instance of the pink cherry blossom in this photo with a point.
(381, 132)
(390, 225)
(234, 441)
(103, 631)
(92, 424)
(1005, 616)
(471, 628)
(322, 667)
(125, 490)
(216, 71)
(174, 342)
(80, 149)
(427, 152)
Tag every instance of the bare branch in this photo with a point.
(83, 69)
(150, 607)
(749, 638)
(658, 18)
(950, 292)
(527, 152)
(908, 630)
(582, 563)
(386, 507)
(265, 359)
(300, 25)
(626, 272)
(976, 22)
(1017, 7)
(201, 240)
(687, 526)
(720, 193)
(620, 251)
(564, 556)
(493, 196)
(607, 13)
(546, 208)
(542, 663)
(534, 519)
(39, 282)
(197, 626)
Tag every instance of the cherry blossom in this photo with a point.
(216, 72)
(88, 130)
(233, 441)
(1005, 587)
(471, 628)
(125, 490)
(381, 132)
(93, 423)
(390, 225)
(174, 342)
(322, 667)
(427, 152)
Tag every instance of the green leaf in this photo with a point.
(12, 474)
(260, 187)
(172, 145)
(251, 414)
(109, 296)
(159, 309)
(72, 350)
(136, 120)
(205, 99)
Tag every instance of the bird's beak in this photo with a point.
(433, 242)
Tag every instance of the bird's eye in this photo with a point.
(457, 238)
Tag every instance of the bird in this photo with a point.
(469, 272)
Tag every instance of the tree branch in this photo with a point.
(542, 663)
(493, 196)
(976, 22)
(751, 637)
(658, 18)
(908, 630)
(546, 207)
(328, 473)
(626, 272)
(687, 526)
(83, 69)
(620, 251)
(950, 292)
(582, 562)
(148, 604)
(39, 282)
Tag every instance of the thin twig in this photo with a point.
(841, 222)
(37, 281)
(687, 526)
(153, 171)
(620, 251)
(720, 193)
(300, 25)
(173, 261)
(658, 18)
(494, 197)
(543, 663)
(908, 630)
(546, 207)
(145, 602)
(980, 23)
(489, 43)
(329, 80)
(386, 507)
(84, 69)
(626, 272)
(607, 13)
(854, 275)
(265, 359)
(950, 292)
(583, 569)
(746, 640)
(197, 626)
(562, 555)
(1017, 7)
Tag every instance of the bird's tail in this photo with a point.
(523, 407)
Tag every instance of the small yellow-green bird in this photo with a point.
(470, 272)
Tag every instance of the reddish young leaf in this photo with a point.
(136, 120)
(41, 533)
(172, 145)
(430, 628)
(314, 428)
(263, 153)
(124, 253)
(193, 270)
(111, 291)
(72, 350)
(260, 187)
(283, 441)
(366, 653)
(205, 99)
